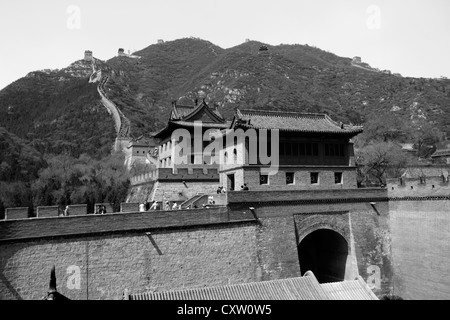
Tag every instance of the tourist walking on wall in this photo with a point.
(142, 207)
(154, 205)
(66, 211)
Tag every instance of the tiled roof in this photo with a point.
(204, 124)
(441, 153)
(348, 290)
(182, 111)
(300, 288)
(176, 124)
(430, 171)
(186, 112)
(292, 121)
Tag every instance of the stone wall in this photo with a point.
(420, 228)
(177, 191)
(98, 256)
(140, 192)
(101, 267)
(413, 187)
(48, 211)
(420, 231)
(129, 207)
(16, 213)
(198, 173)
(78, 209)
(361, 216)
(255, 238)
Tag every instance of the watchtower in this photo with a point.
(88, 55)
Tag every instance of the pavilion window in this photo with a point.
(314, 178)
(308, 149)
(295, 149)
(338, 177)
(315, 149)
(263, 179)
(288, 149)
(289, 177)
(281, 148)
(301, 149)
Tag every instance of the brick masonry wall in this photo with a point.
(302, 179)
(373, 244)
(16, 213)
(369, 235)
(108, 264)
(129, 207)
(140, 193)
(78, 209)
(177, 191)
(431, 187)
(191, 247)
(420, 248)
(307, 195)
(50, 211)
(28, 229)
(277, 250)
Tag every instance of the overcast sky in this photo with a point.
(409, 37)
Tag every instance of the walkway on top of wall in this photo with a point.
(13, 230)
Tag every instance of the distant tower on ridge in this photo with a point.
(88, 55)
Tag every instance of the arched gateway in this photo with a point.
(325, 253)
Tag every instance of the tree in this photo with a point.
(68, 180)
(382, 127)
(379, 161)
(425, 136)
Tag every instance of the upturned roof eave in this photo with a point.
(174, 124)
(344, 132)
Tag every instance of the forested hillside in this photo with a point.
(52, 117)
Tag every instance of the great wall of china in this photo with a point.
(121, 122)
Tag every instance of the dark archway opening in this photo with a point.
(324, 252)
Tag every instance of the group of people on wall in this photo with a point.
(222, 189)
(99, 209)
(172, 205)
(146, 206)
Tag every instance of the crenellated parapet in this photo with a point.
(418, 187)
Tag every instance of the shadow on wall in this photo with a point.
(25, 266)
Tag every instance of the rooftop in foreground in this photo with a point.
(300, 288)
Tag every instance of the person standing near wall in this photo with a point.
(154, 205)
(66, 211)
(141, 207)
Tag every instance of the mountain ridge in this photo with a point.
(43, 105)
